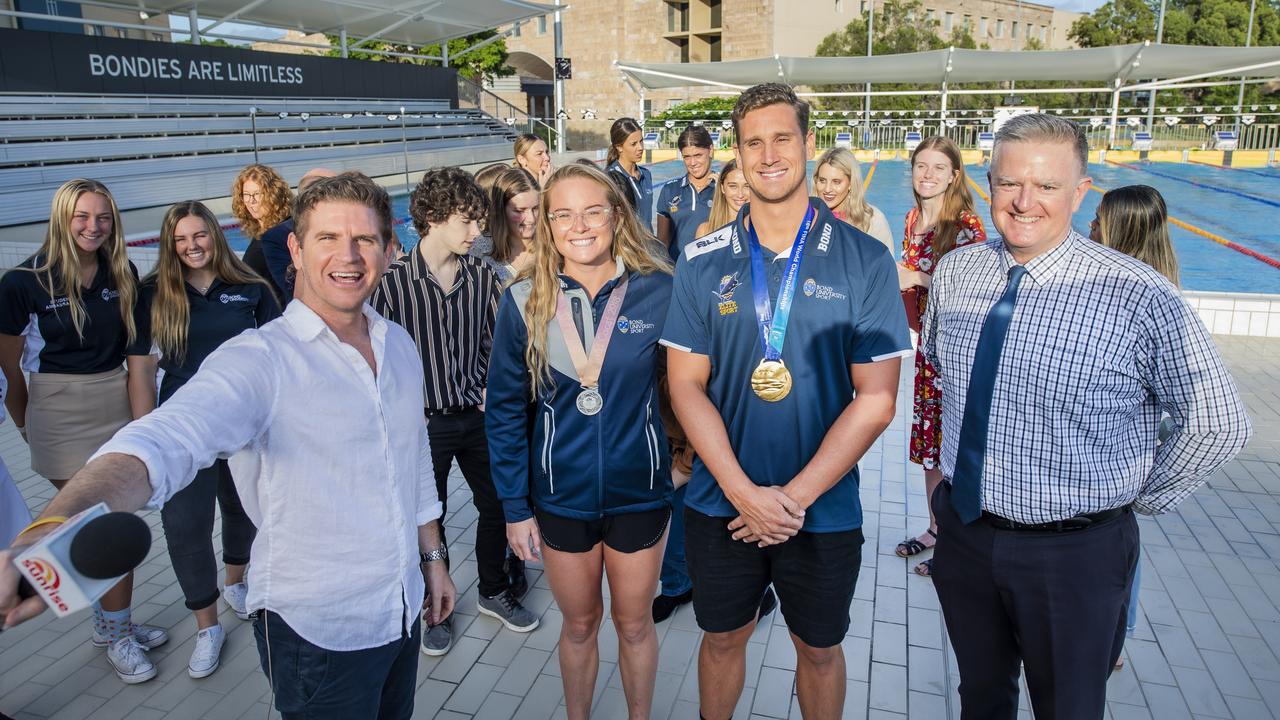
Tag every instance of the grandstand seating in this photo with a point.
(154, 151)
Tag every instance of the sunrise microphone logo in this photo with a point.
(45, 576)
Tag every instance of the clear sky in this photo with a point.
(1075, 5)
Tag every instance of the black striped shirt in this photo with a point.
(452, 328)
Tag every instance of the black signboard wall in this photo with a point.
(48, 63)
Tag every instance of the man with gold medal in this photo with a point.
(779, 403)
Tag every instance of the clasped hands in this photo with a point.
(767, 516)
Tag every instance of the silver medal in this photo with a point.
(589, 401)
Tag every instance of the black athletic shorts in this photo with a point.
(813, 573)
(625, 533)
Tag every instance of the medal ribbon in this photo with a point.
(589, 368)
(773, 321)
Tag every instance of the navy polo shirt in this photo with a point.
(52, 345)
(640, 189)
(215, 317)
(686, 208)
(847, 310)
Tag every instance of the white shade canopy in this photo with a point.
(1126, 63)
(420, 22)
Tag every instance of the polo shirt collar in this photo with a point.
(824, 225)
(568, 283)
(1042, 267)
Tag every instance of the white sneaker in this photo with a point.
(236, 596)
(149, 637)
(208, 652)
(130, 661)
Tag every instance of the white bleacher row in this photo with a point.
(154, 151)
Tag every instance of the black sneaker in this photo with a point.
(664, 605)
(767, 603)
(517, 583)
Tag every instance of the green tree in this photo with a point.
(484, 63)
(701, 108)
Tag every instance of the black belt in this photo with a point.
(1079, 522)
(455, 410)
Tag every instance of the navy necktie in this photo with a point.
(966, 480)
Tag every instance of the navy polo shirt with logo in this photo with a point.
(686, 208)
(847, 310)
(639, 190)
(215, 317)
(52, 345)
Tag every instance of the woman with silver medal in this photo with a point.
(578, 450)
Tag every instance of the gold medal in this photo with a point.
(771, 380)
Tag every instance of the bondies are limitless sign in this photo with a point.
(170, 68)
(37, 62)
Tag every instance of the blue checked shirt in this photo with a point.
(1099, 345)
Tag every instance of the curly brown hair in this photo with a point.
(443, 192)
(277, 199)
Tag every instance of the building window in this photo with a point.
(516, 29)
(968, 23)
(839, 6)
(715, 49)
(158, 37)
(542, 24)
(947, 21)
(121, 32)
(928, 15)
(715, 13)
(999, 28)
(677, 17)
(1014, 32)
(982, 27)
(1043, 33)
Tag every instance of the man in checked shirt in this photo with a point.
(1057, 356)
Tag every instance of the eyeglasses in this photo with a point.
(591, 217)
(251, 197)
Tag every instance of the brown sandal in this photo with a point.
(924, 569)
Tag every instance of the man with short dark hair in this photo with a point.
(320, 412)
(803, 385)
(1056, 357)
(448, 301)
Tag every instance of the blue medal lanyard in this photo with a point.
(773, 321)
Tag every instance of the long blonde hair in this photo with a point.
(631, 243)
(957, 199)
(1134, 220)
(60, 271)
(512, 182)
(857, 210)
(170, 311)
(277, 199)
(721, 214)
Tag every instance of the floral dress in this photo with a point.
(926, 416)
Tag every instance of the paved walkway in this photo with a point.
(1206, 645)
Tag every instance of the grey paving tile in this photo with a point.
(471, 692)
(774, 698)
(888, 688)
(1198, 689)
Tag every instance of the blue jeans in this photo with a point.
(675, 575)
(312, 683)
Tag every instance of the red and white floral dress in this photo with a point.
(926, 417)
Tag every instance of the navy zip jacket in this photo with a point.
(543, 451)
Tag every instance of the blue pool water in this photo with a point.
(1244, 209)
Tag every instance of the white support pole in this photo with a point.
(1248, 41)
(1115, 115)
(1151, 102)
(558, 44)
(193, 24)
(342, 41)
(866, 103)
(444, 53)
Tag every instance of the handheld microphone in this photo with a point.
(73, 566)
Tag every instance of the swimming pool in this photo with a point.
(1239, 205)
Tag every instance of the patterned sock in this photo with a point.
(117, 624)
(99, 623)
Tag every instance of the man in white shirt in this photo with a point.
(332, 464)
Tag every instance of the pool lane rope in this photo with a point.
(1273, 176)
(1226, 191)
(1184, 225)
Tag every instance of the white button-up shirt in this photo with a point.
(331, 463)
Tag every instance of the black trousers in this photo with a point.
(188, 529)
(1054, 603)
(461, 437)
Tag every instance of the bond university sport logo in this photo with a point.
(633, 326)
(728, 284)
(45, 576)
(811, 288)
(225, 298)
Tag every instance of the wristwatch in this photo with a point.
(440, 553)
